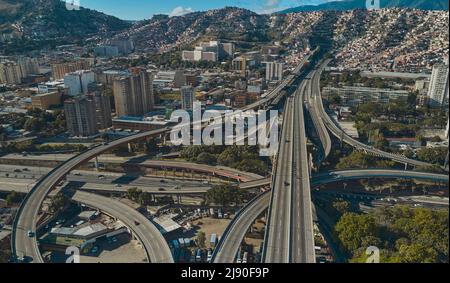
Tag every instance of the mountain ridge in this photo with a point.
(361, 4)
(48, 19)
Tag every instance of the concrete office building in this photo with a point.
(81, 116)
(274, 71)
(439, 87)
(45, 100)
(239, 64)
(78, 82)
(187, 97)
(209, 51)
(133, 94)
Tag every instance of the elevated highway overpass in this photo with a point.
(26, 216)
(231, 240)
(340, 133)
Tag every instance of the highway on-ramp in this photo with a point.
(155, 245)
(340, 134)
(231, 240)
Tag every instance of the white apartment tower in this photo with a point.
(438, 90)
(274, 71)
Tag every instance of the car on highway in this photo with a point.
(161, 189)
(30, 234)
(118, 186)
(162, 181)
(101, 176)
(286, 183)
(136, 223)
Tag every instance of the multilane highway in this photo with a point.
(312, 101)
(231, 240)
(26, 217)
(278, 232)
(302, 229)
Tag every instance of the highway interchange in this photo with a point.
(291, 190)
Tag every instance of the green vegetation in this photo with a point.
(14, 198)
(176, 96)
(42, 123)
(58, 203)
(403, 234)
(433, 155)
(29, 146)
(225, 195)
(244, 158)
(137, 195)
(201, 239)
(354, 78)
(360, 160)
(5, 250)
(341, 206)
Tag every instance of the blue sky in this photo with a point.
(144, 9)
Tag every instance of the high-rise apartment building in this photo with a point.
(274, 71)
(187, 97)
(61, 69)
(78, 82)
(10, 73)
(439, 87)
(102, 110)
(133, 94)
(80, 115)
(28, 66)
(14, 72)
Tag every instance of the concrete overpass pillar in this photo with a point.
(130, 149)
(406, 166)
(96, 163)
(446, 161)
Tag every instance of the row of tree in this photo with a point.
(244, 158)
(403, 234)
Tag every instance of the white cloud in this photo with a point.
(271, 6)
(180, 11)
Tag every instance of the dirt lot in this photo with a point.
(123, 251)
(212, 226)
